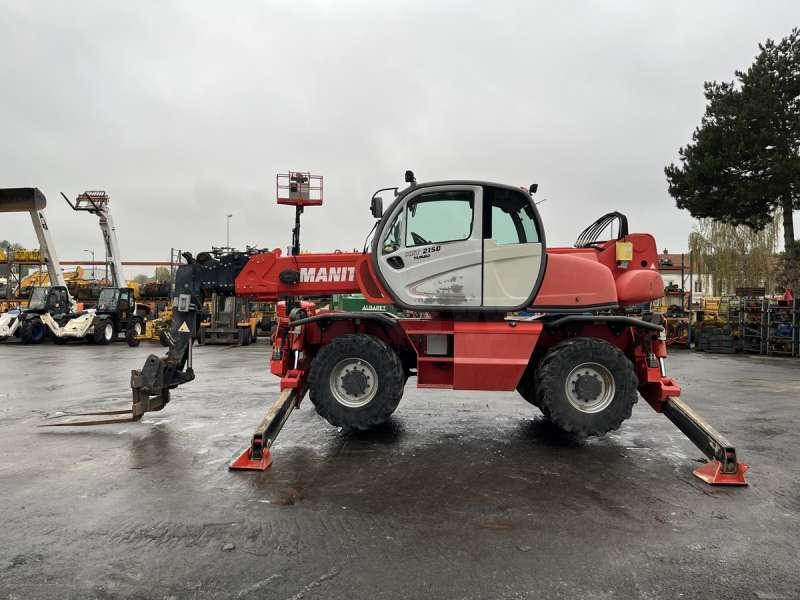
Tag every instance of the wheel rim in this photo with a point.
(590, 387)
(108, 331)
(354, 382)
(137, 328)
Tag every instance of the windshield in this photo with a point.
(107, 299)
(38, 298)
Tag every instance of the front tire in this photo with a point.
(32, 331)
(356, 381)
(586, 386)
(104, 333)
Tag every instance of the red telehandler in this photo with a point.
(459, 257)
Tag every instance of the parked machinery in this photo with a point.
(230, 322)
(462, 255)
(55, 301)
(116, 313)
(30, 324)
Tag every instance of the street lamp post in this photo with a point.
(228, 230)
(92, 253)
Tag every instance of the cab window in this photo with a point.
(439, 217)
(508, 217)
(58, 301)
(391, 242)
(124, 301)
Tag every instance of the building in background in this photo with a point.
(678, 272)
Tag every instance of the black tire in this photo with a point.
(33, 331)
(201, 337)
(60, 341)
(135, 329)
(603, 408)
(383, 363)
(101, 332)
(246, 337)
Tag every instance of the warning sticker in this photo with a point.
(183, 328)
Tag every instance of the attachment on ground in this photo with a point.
(257, 457)
(722, 467)
(119, 416)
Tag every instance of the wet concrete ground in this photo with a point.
(464, 495)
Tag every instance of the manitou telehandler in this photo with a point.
(461, 256)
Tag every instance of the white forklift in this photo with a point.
(45, 303)
(116, 313)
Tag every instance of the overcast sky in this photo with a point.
(184, 111)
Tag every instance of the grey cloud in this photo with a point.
(184, 111)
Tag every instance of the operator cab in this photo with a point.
(53, 300)
(115, 300)
(461, 245)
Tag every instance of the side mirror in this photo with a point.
(376, 207)
(534, 188)
(410, 177)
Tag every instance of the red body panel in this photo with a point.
(492, 356)
(319, 275)
(574, 281)
(574, 278)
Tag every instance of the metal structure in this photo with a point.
(298, 189)
(32, 201)
(15, 262)
(460, 257)
(97, 203)
(27, 324)
(229, 322)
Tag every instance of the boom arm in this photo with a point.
(97, 204)
(32, 201)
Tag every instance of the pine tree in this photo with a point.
(743, 163)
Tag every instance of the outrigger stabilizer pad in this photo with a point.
(722, 467)
(246, 461)
(258, 457)
(712, 473)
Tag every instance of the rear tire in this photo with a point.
(246, 337)
(32, 331)
(586, 386)
(356, 381)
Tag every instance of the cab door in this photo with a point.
(429, 254)
(513, 248)
(124, 308)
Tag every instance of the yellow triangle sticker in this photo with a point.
(183, 328)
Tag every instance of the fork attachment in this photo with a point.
(150, 386)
